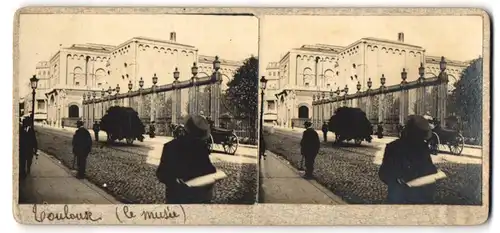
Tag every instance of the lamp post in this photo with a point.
(263, 83)
(34, 84)
(153, 99)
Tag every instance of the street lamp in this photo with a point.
(442, 64)
(117, 89)
(382, 80)
(34, 85)
(109, 91)
(369, 83)
(346, 89)
(358, 86)
(194, 69)
(129, 85)
(263, 84)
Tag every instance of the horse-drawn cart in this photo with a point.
(452, 139)
(227, 138)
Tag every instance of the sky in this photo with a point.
(455, 37)
(229, 37)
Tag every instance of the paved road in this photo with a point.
(128, 172)
(351, 172)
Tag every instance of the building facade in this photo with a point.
(305, 71)
(84, 68)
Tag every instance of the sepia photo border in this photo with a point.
(270, 214)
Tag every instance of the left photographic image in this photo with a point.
(136, 109)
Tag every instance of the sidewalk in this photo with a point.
(283, 184)
(53, 183)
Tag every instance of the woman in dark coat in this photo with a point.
(406, 159)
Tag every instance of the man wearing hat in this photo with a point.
(309, 148)
(184, 159)
(27, 147)
(406, 159)
(82, 144)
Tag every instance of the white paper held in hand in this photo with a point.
(206, 179)
(425, 180)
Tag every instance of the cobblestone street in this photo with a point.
(127, 172)
(351, 172)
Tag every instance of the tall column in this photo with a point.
(174, 104)
(381, 107)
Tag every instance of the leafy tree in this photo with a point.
(243, 91)
(466, 100)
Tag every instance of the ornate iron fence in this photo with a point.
(389, 105)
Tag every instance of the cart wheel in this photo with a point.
(357, 141)
(458, 145)
(434, 142)
(130, 141)
(231, 144)
(210, 143)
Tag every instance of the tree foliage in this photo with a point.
(466, 100)
(242, 91)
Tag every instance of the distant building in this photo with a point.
(303, 72)
(82, 68)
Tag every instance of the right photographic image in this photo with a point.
(371, 110)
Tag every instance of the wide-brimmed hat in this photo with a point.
(307, 124)
(198, 127)
(417, 127)
(79, 123)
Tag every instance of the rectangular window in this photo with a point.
(41, 104)
(306, 84)
(77, 83)
(270, 105)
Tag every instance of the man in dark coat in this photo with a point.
(380, 130)
(152, 129)
(28, 147)
(185, 158)
(324, 128)
(96, 127)
(406, 159)
(309, 146)
(82, 144)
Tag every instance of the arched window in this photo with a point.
(303, 112)
(307, 75)
(74, 111)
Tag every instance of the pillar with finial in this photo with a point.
(381, 100)
(215, 92)
(175, 97)
(442, 92)
(193, 91)
(420, 98)
(403, 100)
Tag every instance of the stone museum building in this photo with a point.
(80, 68)
(321, 68)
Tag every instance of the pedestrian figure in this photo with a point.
(309, 146)
(262, 147)
(152, 129)
(406, 159)
(28, 147)
(96, 129)
(293, 124)
(184, 159)
(62, 124)
(380, 130)
(82, 144)
(324, 128)
(400, 128)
